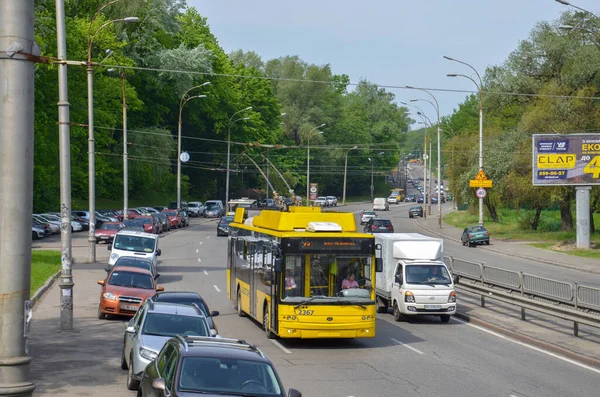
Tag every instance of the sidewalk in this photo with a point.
(512, 248)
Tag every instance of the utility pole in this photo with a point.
(16, 192)
(64, 134)
(125, 153)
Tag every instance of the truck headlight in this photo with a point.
(452, 297)
(409, 297)
(109, 295)
(114, 256)
(148, 354)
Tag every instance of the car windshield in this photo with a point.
(477, 229)
(369, 213)
(132, 222)
(131, 280)
(163, 324)
(321, 198)
(134, 243)
(378, 222)
(171, 213)
(227, 219)
(183, 301)
(110, 226)
(147, 221)
(212, 207)
(142, 264)
(225, 375)
(427, 274)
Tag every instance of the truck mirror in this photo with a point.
(378, 265)
(455, 279)
(398, 279)
(278, 264)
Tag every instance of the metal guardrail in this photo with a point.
(573, 302)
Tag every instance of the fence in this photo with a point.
(569, 301)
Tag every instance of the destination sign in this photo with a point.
(339, 244)
(572, 159)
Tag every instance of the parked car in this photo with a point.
(165, 223)
(223, 225)
(415, 211)
(185, 219)
(151, 328)
(173, 205)
(108, 214)
(54, 225)
(75, 226)
(148, 210)
(474, 235)
(42, 225)
(331, 201)
(211, 366)
(410, 198)
(133, 224)
(160, 208)
(379, 225)
(174, 218)
(380, 204)
(37, 231)
(124, 290)
(213, 211)
(421, 199)
(157, 222)
(150, 224)
(107, 231)
(321, 201)
(134, 243)
(195, 208)
(133, 261)
(366, 215)
(188, 298)
(267, 203)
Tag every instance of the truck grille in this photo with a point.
(130, 299)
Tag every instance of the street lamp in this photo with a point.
(229, 147)
(345, 173)
(480, 89)
(439, 167)
(372, 169)
(91, 143)
(184, 99)
(566, 3)
(310, 135)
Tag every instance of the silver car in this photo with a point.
(195, 208)
(153, 325)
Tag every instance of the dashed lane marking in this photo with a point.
(200, 243)
(407, 346)
(197, 250)
(217, 288)
(206, 273)
(199, 260)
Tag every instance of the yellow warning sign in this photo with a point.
(480, 183)
(481, 176)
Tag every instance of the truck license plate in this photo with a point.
(129, 307)
(433, 307)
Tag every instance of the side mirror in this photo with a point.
(158, 252)
(101, 282)
(109, 247)
(378, 265)
(214, 313)
(107, 269)
(213, 332)
(456, 279)
(159, 384)
(294, 393)
(130, 329)
(278, 264)
(398, 279)
(159, 288)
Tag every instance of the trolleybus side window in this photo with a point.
(293, 283)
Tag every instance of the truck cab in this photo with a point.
(415, 281)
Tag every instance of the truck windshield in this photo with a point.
(134, 243)
(427, 274)
(323, 275)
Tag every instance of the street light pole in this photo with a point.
(229, 148)
(184, 99)
(345, 173)
(308, 161)
(372, 187)
(566, 3)
(480, 89)
(91, 141)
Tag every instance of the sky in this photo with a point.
(388, 42)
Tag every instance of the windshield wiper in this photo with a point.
(304, 302)
(237, 393)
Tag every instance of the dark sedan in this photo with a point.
(379, 225)
(223, 225)
(188, 298)
(415, 211)
(473, 235)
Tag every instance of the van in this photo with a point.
(134, 243)
(381, 204)
(215, 205)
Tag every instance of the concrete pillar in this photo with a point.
(582, 197)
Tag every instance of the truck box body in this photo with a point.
(414, 258)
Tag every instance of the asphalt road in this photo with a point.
(418, 358)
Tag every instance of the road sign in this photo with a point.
(481, 176)
(314, 188)
(185, 157)
(477, 183)
(480, 193)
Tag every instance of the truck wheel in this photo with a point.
(270, 335)
(239, 304)
(397, 314)
(445, 318)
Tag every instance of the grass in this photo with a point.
(44, 263)
(513, 225)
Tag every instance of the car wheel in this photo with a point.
(445, 318)
(101, 316)
(270, 335)
(239, 304)
(132, 384)
(397, 314)
(123, 361)
(487, 242)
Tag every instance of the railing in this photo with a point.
(569, 301)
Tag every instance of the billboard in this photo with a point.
(313, 191)
(572, 159)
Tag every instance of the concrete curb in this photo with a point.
(516, 255)
(40, 291)
(592, 362)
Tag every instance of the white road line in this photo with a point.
(279, 345)
(200, 243)
(217, 288)
(206, 273)
(407, 346)
(199, 260)
(197, 250)
(207, 237)
(568, 360)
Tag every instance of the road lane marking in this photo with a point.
(199, 260)
(207, 237)
(407, 346)
(537, 349)
(197, 250)
(200, 243)
(279, 345)
(217, 288)
(206, 273)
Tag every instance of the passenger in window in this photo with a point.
(290, 282)
(350, 282)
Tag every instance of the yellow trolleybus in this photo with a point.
(302, 273)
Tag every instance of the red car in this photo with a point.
(174, 218)
(107, 231)
(149, 224)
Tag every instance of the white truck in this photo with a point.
(414, 281)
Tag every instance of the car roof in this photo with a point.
(187, 294)
(380, 219)
(132, 259)
(174, 308)
(221, 348)
(136, 233)
(132, 269)
(111, 223)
